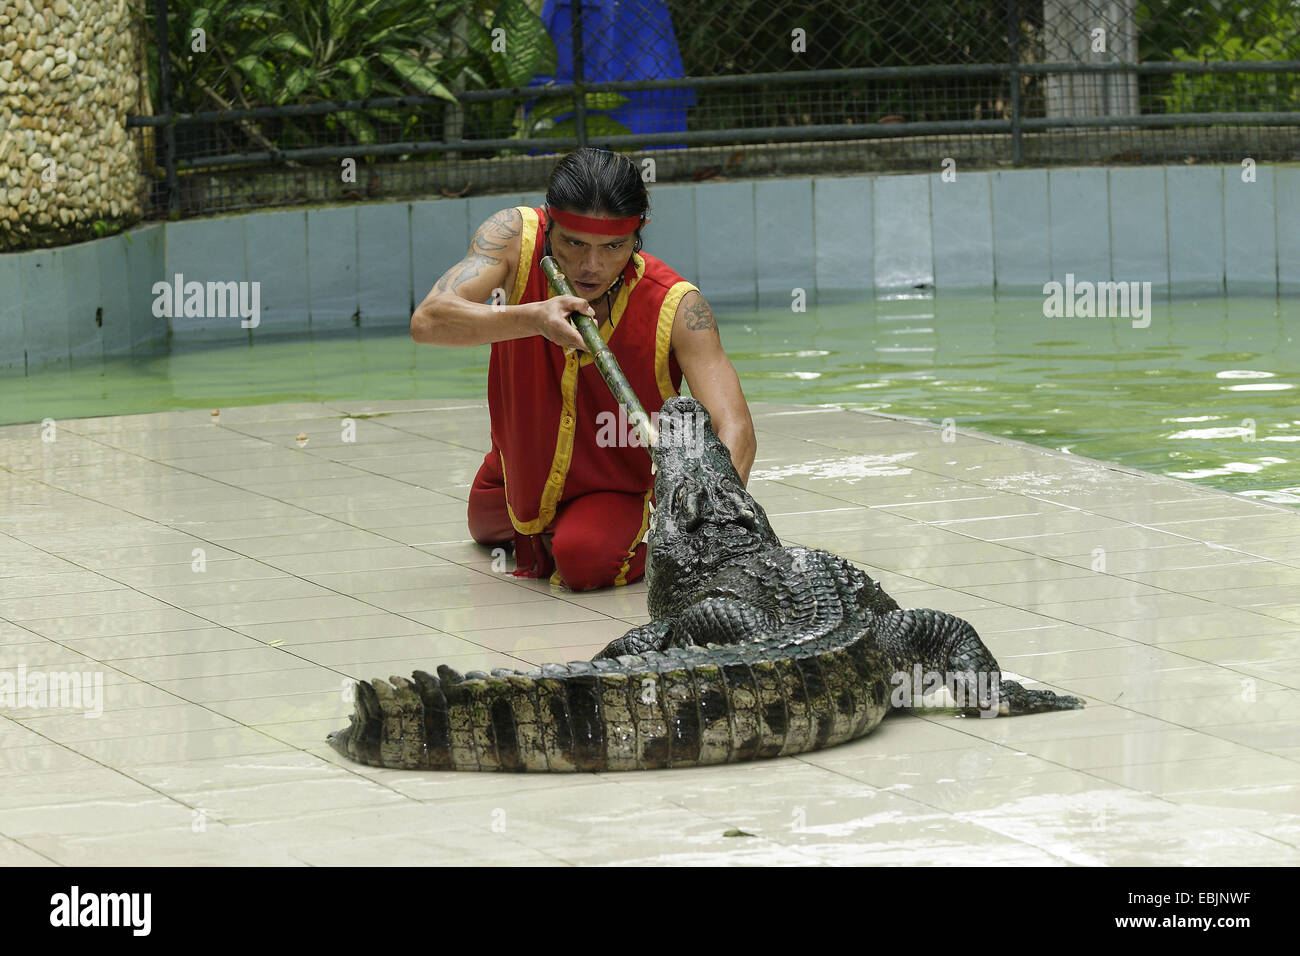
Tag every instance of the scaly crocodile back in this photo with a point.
(754, 650)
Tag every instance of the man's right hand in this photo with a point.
(552, 320)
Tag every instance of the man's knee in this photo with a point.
(489, 525)
(584, 565)
(489, 518)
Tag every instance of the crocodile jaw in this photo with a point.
(703, 516)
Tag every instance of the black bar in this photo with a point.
(339, 106)
(1153, 120)
(706, 137)
(1198, 67)
(1013, 38)
(165, 103)
(763, 134)
(706, 82)
(1089, 904)
(579, 73)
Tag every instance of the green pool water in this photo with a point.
(1208, 392)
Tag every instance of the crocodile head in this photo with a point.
(703, 516)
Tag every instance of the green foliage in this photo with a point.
(275, 52)
(226, 54)
(1176, 26)
(110, 227)
(755, 36)
(528, 51)
(231, 54)
(1254, 35)
(541, 122)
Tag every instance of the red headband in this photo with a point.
(601, 227)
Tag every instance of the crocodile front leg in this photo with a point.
(655, 636)
(720, 620)
(714, 620)
(949, 648)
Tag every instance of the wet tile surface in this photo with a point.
(214, 585)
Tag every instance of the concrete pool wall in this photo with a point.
(1188, 230)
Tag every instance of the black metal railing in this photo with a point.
(1077, 81)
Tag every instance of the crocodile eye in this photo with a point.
(678, 497)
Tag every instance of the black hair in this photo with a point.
(598, 180)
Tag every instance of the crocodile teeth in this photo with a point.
(654, 467)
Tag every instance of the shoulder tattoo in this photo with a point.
(486, 249)
(495, 234)
(699, 317)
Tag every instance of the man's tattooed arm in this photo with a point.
(453, 312)
(487, 249)
(712, 378)
(698, 314)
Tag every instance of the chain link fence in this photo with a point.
(302, 101)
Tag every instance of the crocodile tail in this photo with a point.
(683, 707)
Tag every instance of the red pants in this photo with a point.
(589, 540)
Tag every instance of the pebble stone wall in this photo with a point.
(69, 75)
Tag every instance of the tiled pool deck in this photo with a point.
(1174, 610)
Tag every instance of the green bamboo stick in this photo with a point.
(606, 364)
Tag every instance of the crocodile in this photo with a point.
(753, 650)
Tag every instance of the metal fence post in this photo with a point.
(579, 73)
(1013, 37)
(165, 102)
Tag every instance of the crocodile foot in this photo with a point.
(655, 636)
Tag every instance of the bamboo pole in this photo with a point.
(606, 364)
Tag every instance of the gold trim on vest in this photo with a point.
(528, 237)
(664, 336)
(554, 488)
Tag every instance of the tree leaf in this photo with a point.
(554, 106)
(597, 125)
(415, 73)
(288, 43)
(528, 47)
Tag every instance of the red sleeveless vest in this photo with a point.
(546, 408)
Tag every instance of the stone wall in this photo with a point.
(69, 76)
